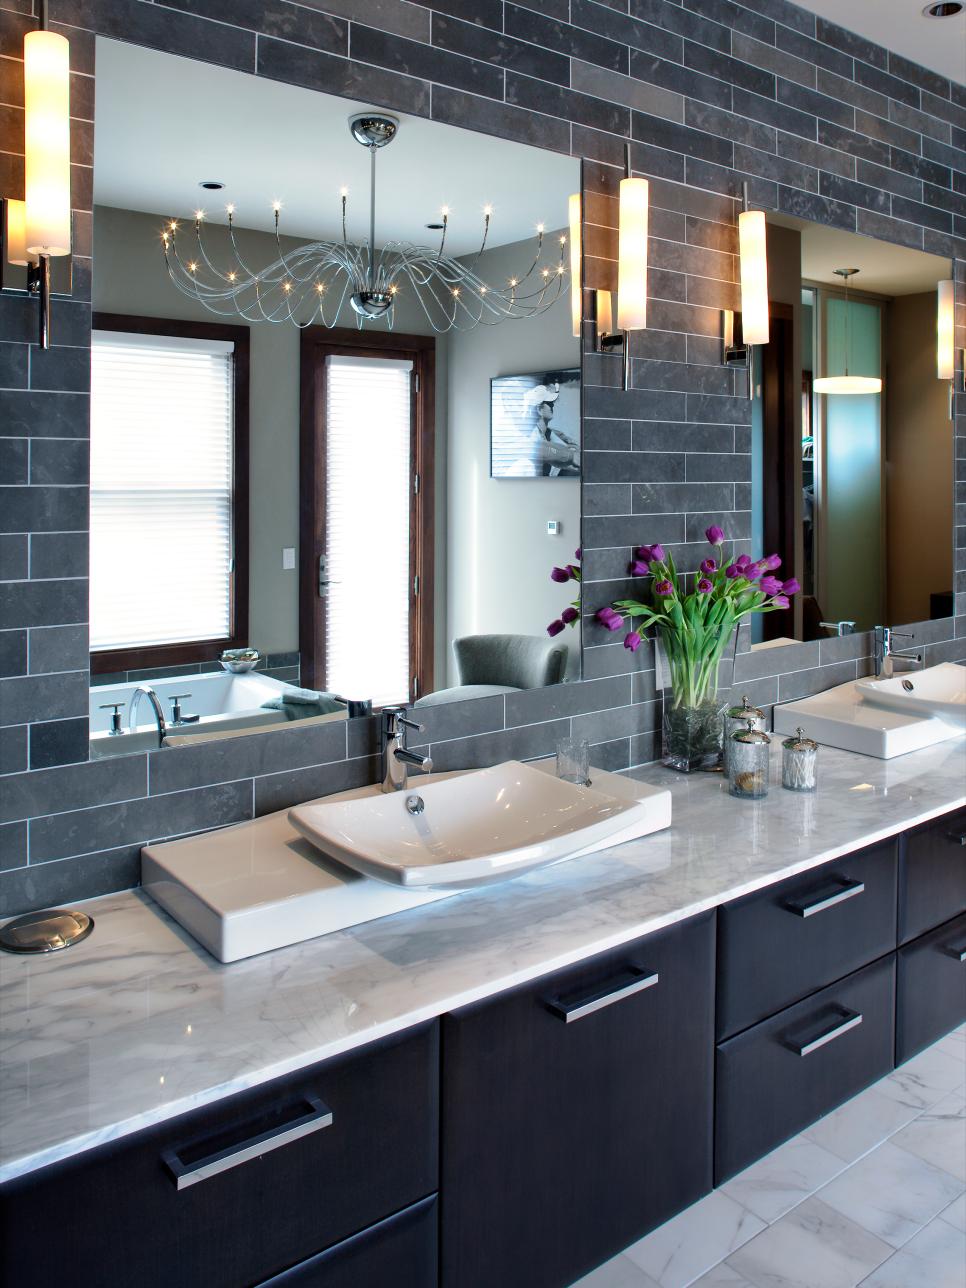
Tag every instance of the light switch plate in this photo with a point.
(288, 557)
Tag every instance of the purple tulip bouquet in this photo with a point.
(693, 628)
(571, 614)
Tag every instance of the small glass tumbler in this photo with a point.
(800, 763)
(573, 761)
(748, 763)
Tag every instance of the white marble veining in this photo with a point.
(138, 1024)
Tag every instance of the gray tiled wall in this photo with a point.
(822, 123)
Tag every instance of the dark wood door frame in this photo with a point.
(318, 343)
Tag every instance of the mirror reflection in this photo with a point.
(323, 478)
(851, 441)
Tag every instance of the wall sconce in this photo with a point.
(631, 271)
(37, 229)
(576, 292)
(739, 331)
(946, 333)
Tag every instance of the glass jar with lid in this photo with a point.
(800, 763)
(748, 752)
(736, 719)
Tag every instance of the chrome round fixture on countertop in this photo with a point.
(46, 931)
(313, 283)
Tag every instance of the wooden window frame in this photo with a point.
(317, 343)
(142, 657)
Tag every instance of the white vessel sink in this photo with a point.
(456, 832)
(936, 691)
(840, 717)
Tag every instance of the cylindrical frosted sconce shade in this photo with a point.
(605, 313)
(573, 210)
(46, 66)
(945, 330)
(632, 255)
(16, 234)
(754, 276)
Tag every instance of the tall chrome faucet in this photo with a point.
(396, 756)
(145, 690)
(886, 656)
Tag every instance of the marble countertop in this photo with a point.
(138, 1023)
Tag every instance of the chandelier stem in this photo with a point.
(372, 218)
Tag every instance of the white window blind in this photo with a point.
(367, 499)
(161, 483)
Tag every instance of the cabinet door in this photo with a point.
(780, 944)
(776, 1078)
(577, 1112)
(931, 988)
(397, 1253)
(932, 875)
(231, 1194)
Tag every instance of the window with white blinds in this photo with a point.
(368, 411)
(161, 489)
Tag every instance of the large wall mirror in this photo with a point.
(298, 508)
(852, 482)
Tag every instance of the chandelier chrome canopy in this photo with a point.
(313, 283)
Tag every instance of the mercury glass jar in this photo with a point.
(736, 719)
(748, 762)
(799, 763)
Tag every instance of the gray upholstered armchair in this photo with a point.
(488, 664)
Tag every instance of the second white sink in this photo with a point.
(935, 691)
(478, 827)
(840, 718)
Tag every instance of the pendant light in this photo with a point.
(847, 384)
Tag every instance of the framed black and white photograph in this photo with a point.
(535, 425)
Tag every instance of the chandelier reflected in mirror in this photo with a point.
(319, 282)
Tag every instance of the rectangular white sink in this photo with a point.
(476, 828)
(935, 691)
(260, 885)
(840, 718)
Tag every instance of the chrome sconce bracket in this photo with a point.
(613, 342)
(41, 280)
(734, 351)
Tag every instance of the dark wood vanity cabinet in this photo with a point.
(577, 1112)
(932, 875)
(931, 988)
(249, 1187)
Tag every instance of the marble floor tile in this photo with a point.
(862, 1123)
(934, 1258)
(619, 1272)
(891, 1193)
(722, 1276)
(925, 1079)
(682, 1249)
(813, 1246)
(955, 1214)
(786, 1176)
(939, 1136)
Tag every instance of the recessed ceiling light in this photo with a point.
(215, 185)
(435, 228)
(944, 9)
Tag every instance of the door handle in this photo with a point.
(844, 1022)
(223, 1160)
(958, 953)
(630, 982)
(818, 901)
(957, 838)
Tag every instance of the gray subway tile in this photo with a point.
(42, 603)
(14, 461)
(499, 49)
(29, 795)
(43, 509)
(296, 65)
(281, 791)
(13, 845)
(576, 42)
(802, 684)
(52, 884)
(454, 107)
(58, 648)
(532, 706)
(50, 697)
(54, 460)
(44, 415)
(59, 742)
(13, 653)
(412, 58)
(297, 23)
(175, 33)
(13, 748)
(14, 556)
(524, 743)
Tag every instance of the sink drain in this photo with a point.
(47, 931)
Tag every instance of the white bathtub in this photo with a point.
(226, 703)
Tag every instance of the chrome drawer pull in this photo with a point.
(846, 890)
(958, 953)
(957, 838)
(569, 1010)
(186, 1174)
(848, 1020)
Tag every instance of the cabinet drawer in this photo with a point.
(397, 1253)
(930, 988)
(775, 1079)
(577, 1112)
(782, 943)
(932, 875)
(264, 1182)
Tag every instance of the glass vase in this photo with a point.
(692, 719)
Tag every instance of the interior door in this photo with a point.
(366, 521)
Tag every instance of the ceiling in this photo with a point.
(899, 25)
(163, 124)
(883, 269)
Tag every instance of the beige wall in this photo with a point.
(919, 462)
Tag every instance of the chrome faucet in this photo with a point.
(886, 656)
(396, 756)
(145, 690)
(840, 628)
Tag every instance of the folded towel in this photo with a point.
(298, 704)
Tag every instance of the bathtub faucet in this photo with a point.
(145, 690)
